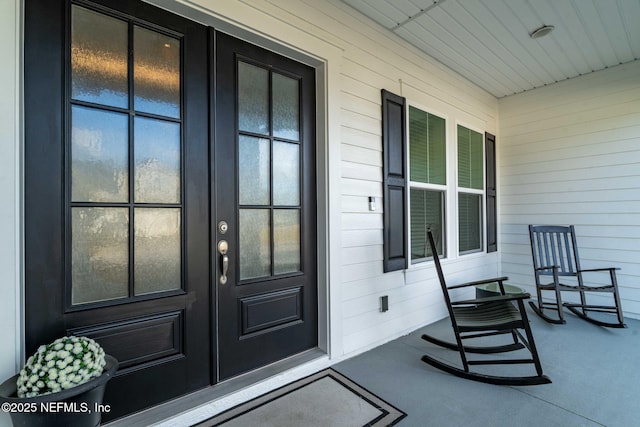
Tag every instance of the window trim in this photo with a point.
(450, 190)
(482, 192)
(445, 188)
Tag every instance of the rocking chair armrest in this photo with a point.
(547, 267)
(591, 270)
(513, 297)
(478, 282)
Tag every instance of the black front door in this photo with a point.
(265, 206)
(116, 138)
(136, 172)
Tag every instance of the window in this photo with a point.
(427, 175)
(470, 190)
(417, 192)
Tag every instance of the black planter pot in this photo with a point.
(78, 406)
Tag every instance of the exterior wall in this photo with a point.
(10, 134)
(360, 58)
(10, 276)
(355, 58)
(570, 154)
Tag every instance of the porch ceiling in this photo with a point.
(487, 41)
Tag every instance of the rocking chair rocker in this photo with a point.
(555, 255)
(484, 317)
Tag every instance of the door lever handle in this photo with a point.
(225, 268)
(223, 247)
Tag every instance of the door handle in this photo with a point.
(223, 248)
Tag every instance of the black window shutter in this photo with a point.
(394, 138)
(492, 219)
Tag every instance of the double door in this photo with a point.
(169, 196)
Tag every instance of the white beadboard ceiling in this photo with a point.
(487, 41)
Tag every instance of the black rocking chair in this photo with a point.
(485, 317)
(555, 255)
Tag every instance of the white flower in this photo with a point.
(65, 363)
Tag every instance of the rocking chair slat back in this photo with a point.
(555, 254)
(554, 246)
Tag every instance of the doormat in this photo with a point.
(326, 398)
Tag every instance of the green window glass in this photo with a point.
(428, 177)
(427, 147)
(471, 179)
(469, 222)
(427, 213)
(470, 171)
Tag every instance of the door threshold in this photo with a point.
(205, 403)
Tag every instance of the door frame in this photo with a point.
(327, 163)
(161, 318)
(239, 350)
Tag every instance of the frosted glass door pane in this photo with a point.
(157, 161)
(157, 250)
(156, 73)
(99, 155)
(286, 107)
(255, 243)
(100, 254)
(98, 58)
(286, 174)
(286, 241)
(253, 98)
(254, 171)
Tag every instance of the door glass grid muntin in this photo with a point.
(270, 206)
(131, 205)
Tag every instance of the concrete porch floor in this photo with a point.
(595, 373)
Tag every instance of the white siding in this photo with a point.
(570, 154)
(10, 261)
(374, 59)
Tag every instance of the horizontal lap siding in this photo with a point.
(570, 154)
(374, 59)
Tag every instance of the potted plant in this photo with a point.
(62, 384)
